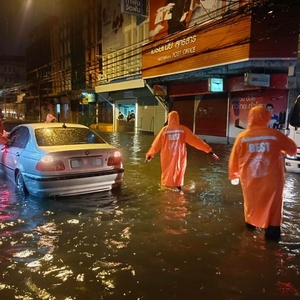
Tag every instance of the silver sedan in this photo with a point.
(58, 159)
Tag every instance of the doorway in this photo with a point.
(125, 113)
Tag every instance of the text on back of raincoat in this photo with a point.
(259, 147)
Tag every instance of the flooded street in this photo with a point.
(145, 242)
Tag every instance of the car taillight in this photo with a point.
(47, 163)
(115, 160)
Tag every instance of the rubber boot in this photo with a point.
(272, 233)
(250, 226)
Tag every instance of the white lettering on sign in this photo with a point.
(162, 48)
(176, 53)
(259, 147)
(189, 50)
(178, 44)
(185, 41)
(133, 6)
(165, 57)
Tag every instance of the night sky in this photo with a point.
(18, 18)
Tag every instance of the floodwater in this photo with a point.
(145, 242)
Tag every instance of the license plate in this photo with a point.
(80, 163)
(76, 163)
(96, 162)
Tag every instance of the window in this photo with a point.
(19, 137)
(59, 136)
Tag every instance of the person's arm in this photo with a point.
(195, 141)
(155, 147)
(233, 164)
(198, 143)
(288, 145)
(4, 140)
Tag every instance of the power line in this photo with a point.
(232, 12)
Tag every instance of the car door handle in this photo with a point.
(17, 154)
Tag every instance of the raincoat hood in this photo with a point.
(173, 118)
(50, 118)
(258, 116)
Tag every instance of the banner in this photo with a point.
(242, 102)
(114, 22)
(170, 16)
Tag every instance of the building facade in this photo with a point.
(209, 60)
(224, 60)
(12, 85)
(125, 28)
(63, 63)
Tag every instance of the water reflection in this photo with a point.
(146, 242)
(36, 231)
(173, 209)
(131, 144)
(290, 226)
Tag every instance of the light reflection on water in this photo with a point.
(147, 242)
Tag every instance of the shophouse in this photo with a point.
(12, 85)
(209, 60)
(217, 59)
(63, 63)
(39, 63)
(125, 29)
(84, 66)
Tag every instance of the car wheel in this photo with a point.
(21, 187)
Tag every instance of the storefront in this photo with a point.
(204, 66)
(130, 97)
(204, 112)
(221, 116)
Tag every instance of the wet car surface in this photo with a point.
(145, 242)
(59, 159)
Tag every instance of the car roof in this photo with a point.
(52, 125)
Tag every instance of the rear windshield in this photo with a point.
(66, 136)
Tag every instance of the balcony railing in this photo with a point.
(121, 63)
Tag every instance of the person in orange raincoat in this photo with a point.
(256, 159)
(172, 140)
(3, 135)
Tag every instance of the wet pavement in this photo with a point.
(145, 242)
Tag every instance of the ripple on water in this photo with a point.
(145, 242)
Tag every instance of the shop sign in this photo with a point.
(254, 79)
(195, 49)
(134, 7)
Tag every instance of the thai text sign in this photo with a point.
(134, 7)
(197, 48)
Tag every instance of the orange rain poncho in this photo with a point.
(256, 158)
(172, 140)
(50, 118)
(3, 138)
